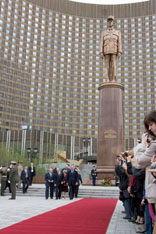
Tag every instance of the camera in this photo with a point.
(148, 138)
(118, 157)
(139, 141)
(125, 155)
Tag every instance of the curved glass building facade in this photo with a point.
(50, 71)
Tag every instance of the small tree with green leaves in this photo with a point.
(7, 156)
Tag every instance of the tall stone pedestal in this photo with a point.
(110, 135)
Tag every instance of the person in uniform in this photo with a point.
(3, 172)
(94, 175)
(110, 49)
(13, 179)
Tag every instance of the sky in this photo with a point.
(109, 2)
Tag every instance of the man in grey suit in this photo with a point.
(13, 179)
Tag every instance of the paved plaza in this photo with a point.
(24, 207)
(118, 225)
(14, 211)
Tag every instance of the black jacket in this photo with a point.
(139, 174)
(124, 180)
(129, 168)
(23, 176)
(48, 177)
(57, 179)
(94, 172)
(72, 178)
(34, 171)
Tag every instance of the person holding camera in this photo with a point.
(136, 190)
(144, 153)
(121, 172)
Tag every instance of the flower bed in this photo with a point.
(107, 181)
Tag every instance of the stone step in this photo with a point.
(84, 192)
(86, 171)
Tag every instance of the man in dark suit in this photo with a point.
(49, 178)
(79, 181)
(72, 181)
(54, 168)
(25, 177)
(32, 171)
(13, 179)
(58, 177)
(66, 168)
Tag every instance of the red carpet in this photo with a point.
(87, 216)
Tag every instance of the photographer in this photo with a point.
(137, 190)
(121, 172)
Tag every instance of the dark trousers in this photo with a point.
(58, 191)
(3, 186)
(148, 221)
(127, 205)
(8, 186)
(31, 178)
(134, 205)
(76, 190)
(13, 190)
(49, 186)
(94, 180)
(71, 191)
(25, 185)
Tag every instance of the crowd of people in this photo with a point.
(62, 182)
(136, 170)
(16, 176)
(58, 182)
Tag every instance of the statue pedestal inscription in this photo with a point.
(110, 133)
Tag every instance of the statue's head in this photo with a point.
(110, 21)
(110, 18)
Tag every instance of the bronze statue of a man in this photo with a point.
(110, 49)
